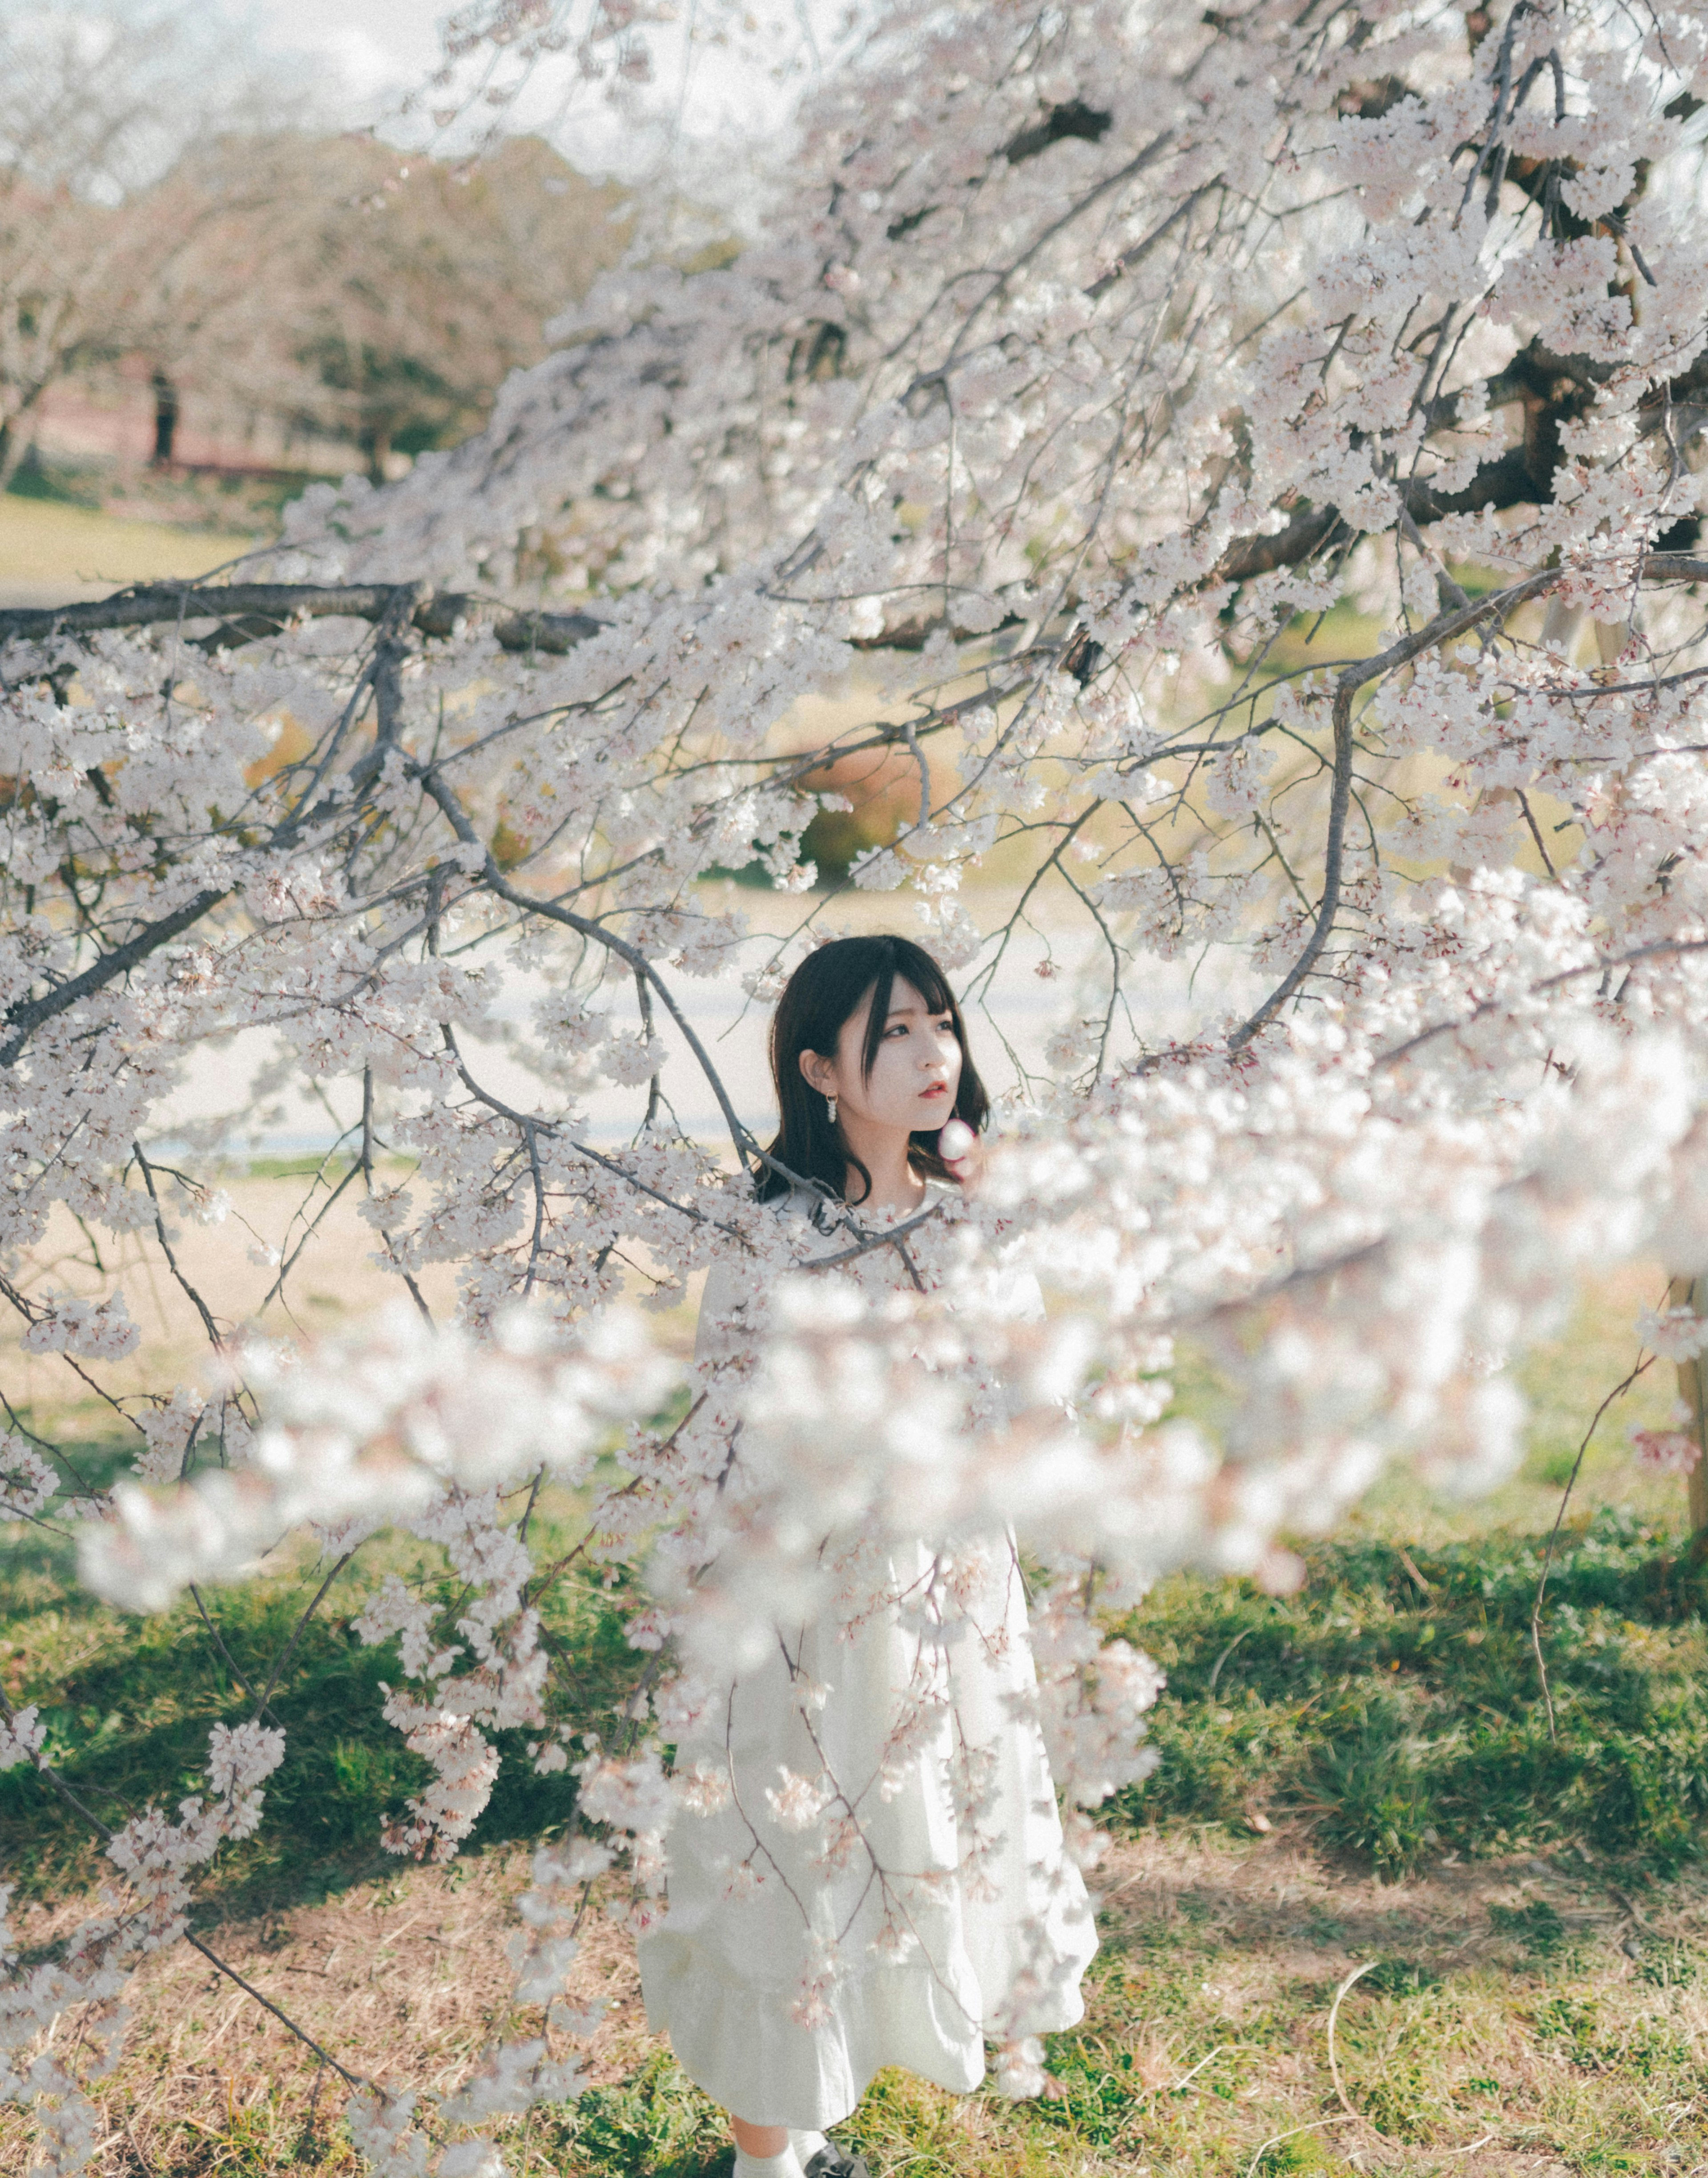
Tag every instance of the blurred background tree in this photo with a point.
(90, 109)
(192, 242)
(416, 286)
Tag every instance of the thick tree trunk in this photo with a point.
(165, 412)
(1693, 1293)
(376, 444)
(17, 434)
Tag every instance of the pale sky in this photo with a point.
(376, 45)
(366, 54)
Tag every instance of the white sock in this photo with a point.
(767, 2166)
(806, 2145)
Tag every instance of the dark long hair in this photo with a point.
(824, 994)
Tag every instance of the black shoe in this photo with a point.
(833, 2162)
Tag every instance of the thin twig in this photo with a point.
(106, 1833)
(1215, 1668)
(213, 1632)
(1618, 1392)
(1442, 629)
(1541, 844)
(289, 1648)
(213, 1958)
(1602, 964)
(171, 1261)
(142, 2162)
(1427, 1587)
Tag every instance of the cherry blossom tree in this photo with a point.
(1251, 461)
(399, 291)
(94, 109)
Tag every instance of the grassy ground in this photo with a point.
(128, 1703)
(1395, 1712)
(53, 548)
(1361, 1776)
(1533, 2016)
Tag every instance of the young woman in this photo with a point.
(879, 1877)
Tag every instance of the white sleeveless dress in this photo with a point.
(929, 1902)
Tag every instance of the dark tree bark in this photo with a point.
(166, 414)
(375, 443)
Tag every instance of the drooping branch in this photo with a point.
(25, 1015)
(1659, 567)
(247, 612)
(585, 926)
(1552, 390)
(390, 605)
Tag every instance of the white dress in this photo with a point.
(927, 1903)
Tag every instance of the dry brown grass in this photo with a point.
(1581, 2049)
(403, 1978)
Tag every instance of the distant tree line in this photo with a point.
(151, 212)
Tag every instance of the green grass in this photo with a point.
(128, 1702)
(1402, 1723)
(1509, 2006)
(251, 500)
(1206, 2037)
(1398, 1722)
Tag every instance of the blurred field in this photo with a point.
(232, 1262)
(274, 1215)
(53, 554)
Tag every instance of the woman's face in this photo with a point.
(914, 1075)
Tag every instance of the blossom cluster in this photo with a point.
(154, 1855)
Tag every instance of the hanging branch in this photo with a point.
(1643, 1363)
(250, 612)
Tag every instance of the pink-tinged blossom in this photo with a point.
(27, 1483)
(23, 1736)
(1665, 1452)
(92, 1330)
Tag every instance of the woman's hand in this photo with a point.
(962, 1152)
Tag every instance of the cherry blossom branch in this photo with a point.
(301, 1627)
(1443, 629)
(23, 1016)
(350, 2079)
(249, 611)
(584, 926)
(529, 1125)
(165, 1248)
(1602, 964)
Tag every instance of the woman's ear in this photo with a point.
(819, 1071)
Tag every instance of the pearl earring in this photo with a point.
(830, 1107)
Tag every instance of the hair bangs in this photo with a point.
(913, 964)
